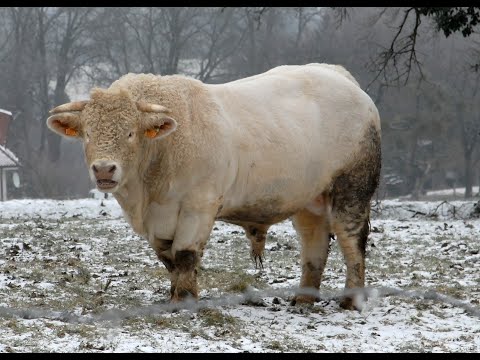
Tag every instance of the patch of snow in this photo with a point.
(458, 191)
(81, 256)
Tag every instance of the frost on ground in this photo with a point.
(80, 258)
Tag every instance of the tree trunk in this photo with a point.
(468, 175)
(43, 80)
(252, 58)
(420, 181)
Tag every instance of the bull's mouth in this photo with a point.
(106, 184)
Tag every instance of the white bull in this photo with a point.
(177, 154)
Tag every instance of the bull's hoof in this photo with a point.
(304, 300)
(347, 303)
(257, 259)
(183, 295)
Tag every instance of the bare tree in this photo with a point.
(400, 57)
(221, 38)
(70, 48)
(17, 51)
(467, 114)
(45, 52)
(43, 47)
(151, 40)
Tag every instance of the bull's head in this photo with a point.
(114, 130)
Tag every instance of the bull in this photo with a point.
(299, 142)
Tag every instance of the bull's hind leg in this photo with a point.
(352, 232)
(257, 234)
(351, 192)
(313, 231)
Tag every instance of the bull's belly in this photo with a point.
(256, 214)
(271, 207)
(261, 210)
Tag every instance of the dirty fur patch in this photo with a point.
(266, 211)
(353, 187)
(186, 260)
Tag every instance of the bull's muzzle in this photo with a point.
(105, 173)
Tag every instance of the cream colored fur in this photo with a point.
(270, 143)
(281, 134)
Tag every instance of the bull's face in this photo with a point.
(115, 130)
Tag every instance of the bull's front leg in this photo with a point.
(161, 220)
(162, 248)
(194, 226)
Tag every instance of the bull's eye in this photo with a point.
(130, 134)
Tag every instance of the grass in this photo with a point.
(88, 266)
(214, 317)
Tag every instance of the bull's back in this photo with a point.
(293, 128)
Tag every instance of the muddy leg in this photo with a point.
(352, 233)
(257, 234)
(191, 235)
(186, 262)
(351, 193)
(313, 231)
(162, 248)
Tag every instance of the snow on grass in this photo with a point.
(456, 191)
(81, 257)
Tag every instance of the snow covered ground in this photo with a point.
(457, 191)
(75, 278)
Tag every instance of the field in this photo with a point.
(75, 278)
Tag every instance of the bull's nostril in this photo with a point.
(112, 168)
(94, 168)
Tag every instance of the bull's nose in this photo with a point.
(103, 169)
(105, 173)
(109, 169)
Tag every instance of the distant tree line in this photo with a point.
(430, 123)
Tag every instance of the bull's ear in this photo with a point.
(155, 124)
(157, 127)
(65, 124)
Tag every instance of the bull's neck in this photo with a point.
(151, 177)
(132, 198)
